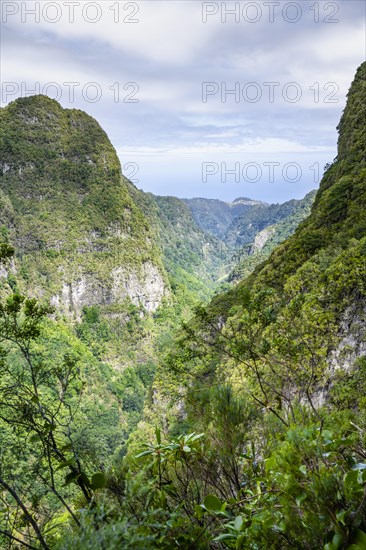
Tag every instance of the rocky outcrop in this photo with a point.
(260, 239)
(352, 334)
(145, 288)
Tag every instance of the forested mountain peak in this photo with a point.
(352, 138)
(40, 140)
(73, 218)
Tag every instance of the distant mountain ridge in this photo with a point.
(257, 217)
(84, 235)
(237, 223)
(215, 216)
(266, 239)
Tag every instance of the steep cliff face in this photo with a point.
(352, 342)
(80, 238)
(260, 239)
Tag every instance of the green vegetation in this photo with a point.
(245, 227)
(286, 340)
(67, 208)
(194, 259)
(215, 216)
(291, 214)
(242, 426)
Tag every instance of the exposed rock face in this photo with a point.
(353, 338)
(351, 347)
(5, 270)
(261, 238)
(145, 288)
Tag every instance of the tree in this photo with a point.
(38, 402)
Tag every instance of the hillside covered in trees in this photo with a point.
(143, 405)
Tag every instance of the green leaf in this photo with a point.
(186, 449)
(98, 481)
(361, 537)
(303, 470)
(360, 541)
(337, 540)
(327, 436)
(238, 522)
(64, 465)
(212, 503)
(144, 453)
(193, 437)
(72, 476)
(198, 511)
(341, 516)
(353, 481)
(301, 498)
(335, 544)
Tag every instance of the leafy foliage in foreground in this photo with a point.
(307, 493)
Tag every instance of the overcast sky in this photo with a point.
(212, 99)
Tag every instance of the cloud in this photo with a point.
(160, 31)
(258, 145)
(170, 52)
